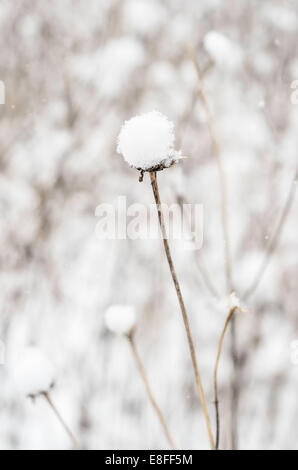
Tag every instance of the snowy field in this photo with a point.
(91, 327)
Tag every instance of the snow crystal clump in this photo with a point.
(32, 372)
(222, 50)
(147, 141)
(230, 302)
(120, 319)
(234, 301)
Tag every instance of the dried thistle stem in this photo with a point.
(229, 317)
(182, 306)
(149, 391)
(49, 400)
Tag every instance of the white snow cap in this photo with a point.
(234, 301)
(120, 319)
(147, 140)
(231, 302)
(222, 50)
(32, 372)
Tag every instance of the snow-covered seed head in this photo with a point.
(147, 142)
(121, 319)
(33, 373)
(231, 302)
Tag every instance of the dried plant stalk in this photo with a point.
(49, 400)
(149, 392)
(229, 317)
(182, 306)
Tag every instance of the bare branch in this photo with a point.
(219, 349)
(274, 239)
(62, 422)
(149, 391)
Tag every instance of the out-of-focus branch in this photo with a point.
(185, 118)
(149, 391)
(274, 239)
(206, 277)
(222, 177)
(201, 265)
(225, 226)
(61, 420)
(229, 317)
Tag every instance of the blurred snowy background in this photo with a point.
(73, 72)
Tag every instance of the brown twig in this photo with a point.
(229, 317)
(149, 391)
(182, 306)
(61, 420)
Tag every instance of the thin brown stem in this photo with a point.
(149, 392)
(235, 385)
(182, 305)
(61, 420)
(219, 349)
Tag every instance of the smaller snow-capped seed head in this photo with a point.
(121, 319)
(232, 302)
(235, 302)
(147, 142)
(33, 373)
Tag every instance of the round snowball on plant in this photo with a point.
(32, 372)
(120, 319)
(147, 141)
